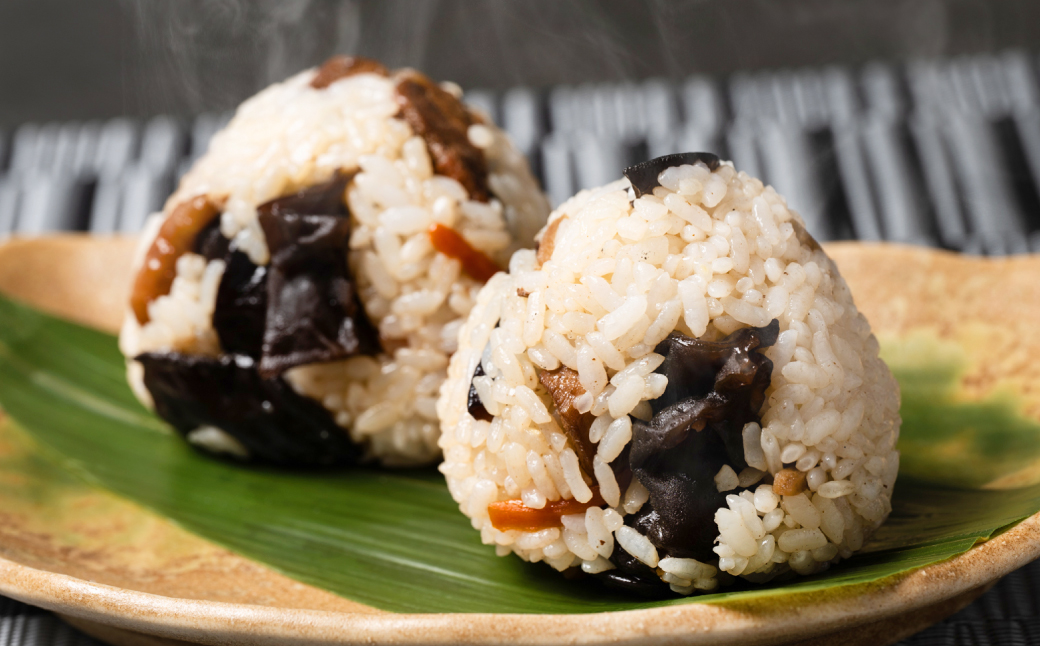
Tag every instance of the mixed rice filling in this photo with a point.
(676, 389)
(299, 297)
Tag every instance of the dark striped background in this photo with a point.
(943, 153)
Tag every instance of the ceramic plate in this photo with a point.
(129, 576)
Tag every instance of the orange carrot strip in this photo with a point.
(448, 241)
(175, 238)
(514, 514)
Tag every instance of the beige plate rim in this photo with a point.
(695, 623)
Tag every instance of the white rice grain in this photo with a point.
(637, 545)
(572, 475)
(797, 540)
(635, 497)
(629, 393)
(608, 486)
(622, 319)
(617, 436)
(599, 537)
(726, 479)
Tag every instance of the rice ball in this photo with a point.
(297, 300)
(674, 390)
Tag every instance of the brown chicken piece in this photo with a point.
(339, 67)
(175, 238)
(548, 241)
(789, 482)
(564, 386)
(443, 122)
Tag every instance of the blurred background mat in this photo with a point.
(905, 120)
(69, 59)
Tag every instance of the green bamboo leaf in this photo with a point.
(395, 539)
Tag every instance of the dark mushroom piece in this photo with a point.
(474, 405)
(240, 313)
(301, 308)
(644, 176)
(210, 243)
(714, 389)
(270, 419)
(313, 311)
